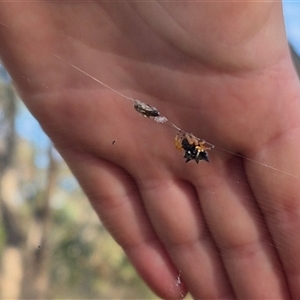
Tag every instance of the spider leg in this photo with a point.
(190, 138)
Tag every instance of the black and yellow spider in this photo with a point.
(194, 148)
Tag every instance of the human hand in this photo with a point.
(219, 70)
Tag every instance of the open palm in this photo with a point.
(219, 70)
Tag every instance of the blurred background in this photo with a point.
(52, 244)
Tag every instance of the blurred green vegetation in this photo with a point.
(52, 244)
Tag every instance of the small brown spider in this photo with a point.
(194, 148)
(145, 109)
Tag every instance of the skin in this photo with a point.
(220, 70)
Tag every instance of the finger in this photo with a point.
(115, 197)
(173, 208)
(278, 168)
(240, 232)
